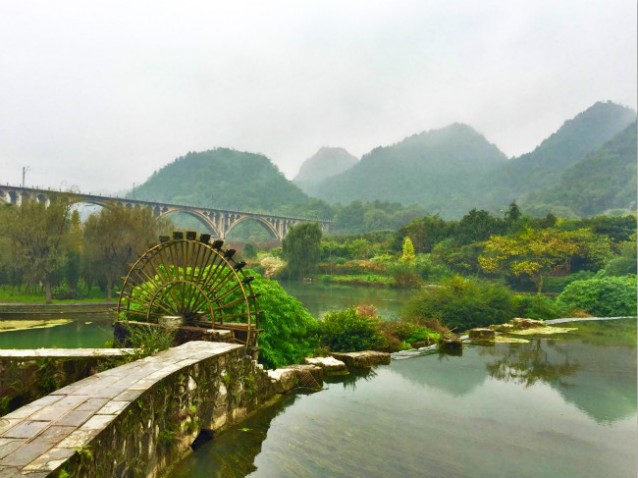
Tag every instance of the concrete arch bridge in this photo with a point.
(219, 222)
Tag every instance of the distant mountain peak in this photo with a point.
(328, 161)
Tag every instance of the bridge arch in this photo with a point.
(269, 227)
(202, 218)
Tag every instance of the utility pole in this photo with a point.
(24, 173)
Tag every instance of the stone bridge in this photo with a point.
(137, 419)
(218, 222)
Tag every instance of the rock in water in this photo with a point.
(482, 335)
(364, 359)
(330, 365)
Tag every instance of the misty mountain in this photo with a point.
(576, 138)
(603, 180)
(227, 179)
(325, 163)
(438, 169)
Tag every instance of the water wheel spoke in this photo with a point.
(192, 278)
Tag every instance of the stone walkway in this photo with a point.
(40, 436)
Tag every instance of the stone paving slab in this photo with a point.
(40, 436)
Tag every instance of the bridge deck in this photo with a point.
(42, 435)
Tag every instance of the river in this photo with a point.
(555, 407)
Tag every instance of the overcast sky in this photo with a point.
(98, 95)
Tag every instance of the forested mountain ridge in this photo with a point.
(445, 171)
(325, 163)
(226, 179)
(576, 138)
(438, 169)
(603, 180)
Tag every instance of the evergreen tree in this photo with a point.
(408, 256)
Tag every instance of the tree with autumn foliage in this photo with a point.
(532, 253)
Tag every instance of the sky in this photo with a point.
(95, 96)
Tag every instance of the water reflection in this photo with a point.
(350, 380)
(456, 376)
(586, 370)
(232, 453)
(530, 363)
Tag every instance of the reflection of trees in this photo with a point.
(529, 364)
(350, 380)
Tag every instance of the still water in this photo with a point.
(555, 407)
(321, 298)
(318, 298)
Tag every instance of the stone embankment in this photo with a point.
(29, 374)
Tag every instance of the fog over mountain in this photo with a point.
(325, 163)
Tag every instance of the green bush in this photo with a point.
(402, 335)
(558, 283)
(538, 307)
(349, 331)
(290, 331)
(602, 296)
(620, 266)
(462, 304)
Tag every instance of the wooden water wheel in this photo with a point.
(191, 281)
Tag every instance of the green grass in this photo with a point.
(359, 279)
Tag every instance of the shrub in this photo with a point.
(462, 304)
(349, 331)
(290, 331)
(405, 275)
(558, 283)
(401, 335)
(538, 307)
(602, 296)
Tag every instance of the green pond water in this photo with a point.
(83, 332)
(321, 298)
(557, 407)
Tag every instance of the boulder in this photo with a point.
(519, 324)
(314, 370)
(329, 365)
(363, 359)
(283, 379)
(482, 335)
(294, 376)
(451, 344)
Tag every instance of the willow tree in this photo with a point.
(302, 249)
(39, 238)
